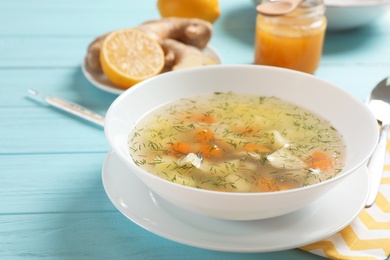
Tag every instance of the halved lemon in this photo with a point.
(130, 56)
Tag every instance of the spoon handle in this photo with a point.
(375, 166)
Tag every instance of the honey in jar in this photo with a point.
(294, 40)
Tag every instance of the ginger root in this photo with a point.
(93, 53)
(190, 31)
(187, 32)
(180, 56)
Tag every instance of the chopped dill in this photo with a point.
(236, 142)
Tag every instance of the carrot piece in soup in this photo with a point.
(255, 148)
(180, 149)
(210, 151)
(207, 119)
(204, 136)
(319, 160)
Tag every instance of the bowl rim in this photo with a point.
(355, 3)
(226, 193)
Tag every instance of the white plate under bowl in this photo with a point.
(99, 80)
(327, 216)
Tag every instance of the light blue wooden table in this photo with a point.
(52, 202)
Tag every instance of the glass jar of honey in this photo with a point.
(294, 40)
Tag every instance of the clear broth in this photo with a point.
(237, 143)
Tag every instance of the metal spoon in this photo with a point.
(379, 104)
(275, 8)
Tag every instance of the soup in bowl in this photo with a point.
(240, 142)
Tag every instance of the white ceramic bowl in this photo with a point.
(349, 14)
(348, 114)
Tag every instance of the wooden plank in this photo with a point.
(101, 236)
(46, 183)
(68, 83)
(41, 129)
(72, 85)
(235, 30)
(357, 79)
(48, 130)
(365, 45)
(69, 52)
(66, 214)
(52, 202)
(43, 52)
(72, 17)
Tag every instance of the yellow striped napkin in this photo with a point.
(368, 236)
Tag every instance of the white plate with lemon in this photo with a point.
(99, 80)
(122, 58)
